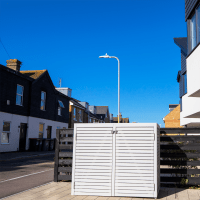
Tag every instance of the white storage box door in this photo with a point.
(116, 160)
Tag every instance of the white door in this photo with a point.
(92, 158)
(134, 171)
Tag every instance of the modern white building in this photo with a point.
(189, 75)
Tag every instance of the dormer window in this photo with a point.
(60, 106)
(19, 95)
(43, 100)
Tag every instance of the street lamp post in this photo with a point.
(107, 56)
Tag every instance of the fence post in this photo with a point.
(56, 155)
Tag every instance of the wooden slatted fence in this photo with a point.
(63, 155)
(179, 156)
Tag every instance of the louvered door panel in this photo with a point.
(93, 163)
(116, 160)
(134, 173)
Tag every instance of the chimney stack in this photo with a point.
(14, 64)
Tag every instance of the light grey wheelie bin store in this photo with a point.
(113, 159)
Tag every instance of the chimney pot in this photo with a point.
(14, 64)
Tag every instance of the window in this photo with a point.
(193, 31)
(43, 100)
(90, 121)
(198, 24)
(106, 114)
(60, 106)
(80, 116)
(5, 133)
(41, 130)
(49, 128)
(74, 113)
(185, 83)
(19, 95)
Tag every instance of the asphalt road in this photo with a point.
(23, 174)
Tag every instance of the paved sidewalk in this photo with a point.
(62, 191)
(6, 156)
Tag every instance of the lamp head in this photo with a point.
(106, 56)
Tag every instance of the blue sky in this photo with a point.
(66, 37)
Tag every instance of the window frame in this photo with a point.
(44, 101)
(74, 114)
(8, 132)
(198, 23)
(20, 95)
(189, 27)
(185, 83)
(60, 107)
(80, 115)
(59, 111)
(40, 131)
(49, 128)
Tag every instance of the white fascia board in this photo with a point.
(190, 106)
(72, 104)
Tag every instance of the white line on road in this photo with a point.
(25, 175)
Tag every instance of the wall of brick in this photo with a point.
(172, 120)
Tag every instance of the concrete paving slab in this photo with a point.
(62, 196)
(79, 197)
(102, 198)
(62, 191)
(198, 192)
(114, 198)
(193, 194)
(50, 193)
(91, 198)
(182, 194)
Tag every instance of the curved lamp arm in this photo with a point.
(107, 56)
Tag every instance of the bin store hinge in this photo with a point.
(114, 132)
(74, 184)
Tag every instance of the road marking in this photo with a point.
(26, 190)
(25, 176)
